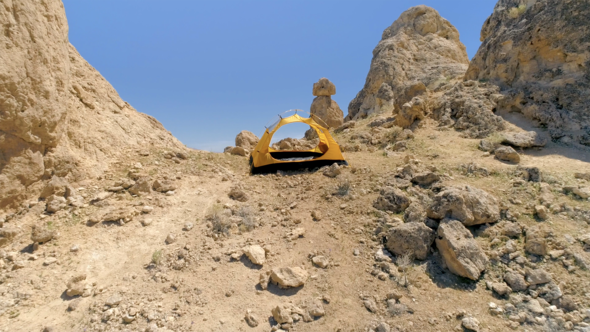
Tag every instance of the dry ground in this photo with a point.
(194, 284)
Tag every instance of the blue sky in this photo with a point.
(209, 69)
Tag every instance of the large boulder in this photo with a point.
(459, 250)
(471, 206)
(537, 52)
(411, 238)
(392, 199)
(419, 52)
(246, 140)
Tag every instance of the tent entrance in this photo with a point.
(295, 155)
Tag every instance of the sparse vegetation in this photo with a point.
(219, 223)
(515, 12)
(157, 257)
(343, 188)
(404, 262)
(248, 218)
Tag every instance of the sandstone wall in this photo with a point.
(58, 115)
(538, 52)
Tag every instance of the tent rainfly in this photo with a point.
(265, 159)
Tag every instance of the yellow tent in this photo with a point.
(265, 159)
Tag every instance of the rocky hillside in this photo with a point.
(537, 52)
(449, 218)
(58, 115)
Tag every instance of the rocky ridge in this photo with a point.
(52, 101)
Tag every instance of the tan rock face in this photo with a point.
(537, 53)
(420, 51)
(52, 102)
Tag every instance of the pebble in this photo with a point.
(49, 261)
(171, 238)
(74, 248)
(188, 226)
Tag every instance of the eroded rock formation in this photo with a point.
(537, 52)
(419, 52)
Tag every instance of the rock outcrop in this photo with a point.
(58, 115)
(537, 52)
(323, 106)
(419, 52)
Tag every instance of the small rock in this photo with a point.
(282, 314)
(536, 243)
(256, 254)
(541, 212)
(238, 194)
(316, 215)
(75, 285)
(74, 248)
(289, 277)
(538, 276)
(113, 300)
(55, 203)
(470, 323)
(251, 319)
(515, 281)
(370, 305)
(506, 153)
(333, 171)
(49, 261)
(188, 226)
(146, 222)
(41, 234)
(320, 261)
(171, 238)
(147, 209)
(501, 288)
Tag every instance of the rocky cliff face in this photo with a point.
(538, 53)
(58, 115)
(420, 51)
